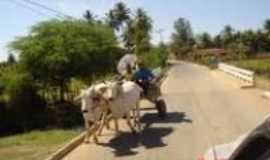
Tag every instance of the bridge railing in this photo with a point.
(245, 75)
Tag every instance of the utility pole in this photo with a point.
(160, 32)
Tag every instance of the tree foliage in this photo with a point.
(227, 35)
(204, 40)
(183, 31)
(25, 108)
(239, 44)
(118, 16)
(267, 25)
(136, 27)
(182, 39)
(11, 59)
(217, 41)
(57, 50)
(88, 15)
(157, 56)
(142, 24)
(238, 50)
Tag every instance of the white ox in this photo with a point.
(123, 98)
(119, 99)
(92, 107)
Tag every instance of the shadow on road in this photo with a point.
(149, 137)
(173, 117)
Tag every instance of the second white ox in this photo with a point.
(123, 98)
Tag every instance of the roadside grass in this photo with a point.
(261, 67)
(35, 145)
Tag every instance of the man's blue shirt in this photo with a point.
(143, 74)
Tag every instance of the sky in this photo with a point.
(210, 16)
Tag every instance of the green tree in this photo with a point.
(263, 41)
(217, 41)
(238, 50)
(182, 39)
(25, 108)
(11, 59)
(129, 34)
(118, 16)
(249, 38)
(204, 41)
(89, 17)
(183, 31)
(137, 32)
(267, 25)
(136, 27)
(156, 57)
(142, 24)
(55, 51)
(227, 35)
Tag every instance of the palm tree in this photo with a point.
(249, 38)
(217, 41)
(183, 32)
(227, 35)
(121, 12)
(129, 34)
(205, 40)
(89, 16)
(262, 41)
(111, 20)
(143, 22)
(11, 59)
(267, 25)
(142, 28)
(118, 16)
(182, 40)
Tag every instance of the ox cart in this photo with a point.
(113, 100)
(152, 90)
(153, 93)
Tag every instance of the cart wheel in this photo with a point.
(161, 108)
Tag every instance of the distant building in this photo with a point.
(210, 54)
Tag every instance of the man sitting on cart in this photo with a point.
(146, 79)
(143, 76)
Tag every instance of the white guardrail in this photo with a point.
(242, 74)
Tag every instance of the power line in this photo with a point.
(29, 8)
(58, 13)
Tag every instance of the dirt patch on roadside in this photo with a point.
(263, 82)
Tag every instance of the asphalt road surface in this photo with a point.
(205, 108)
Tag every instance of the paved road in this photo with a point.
(205, 108)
